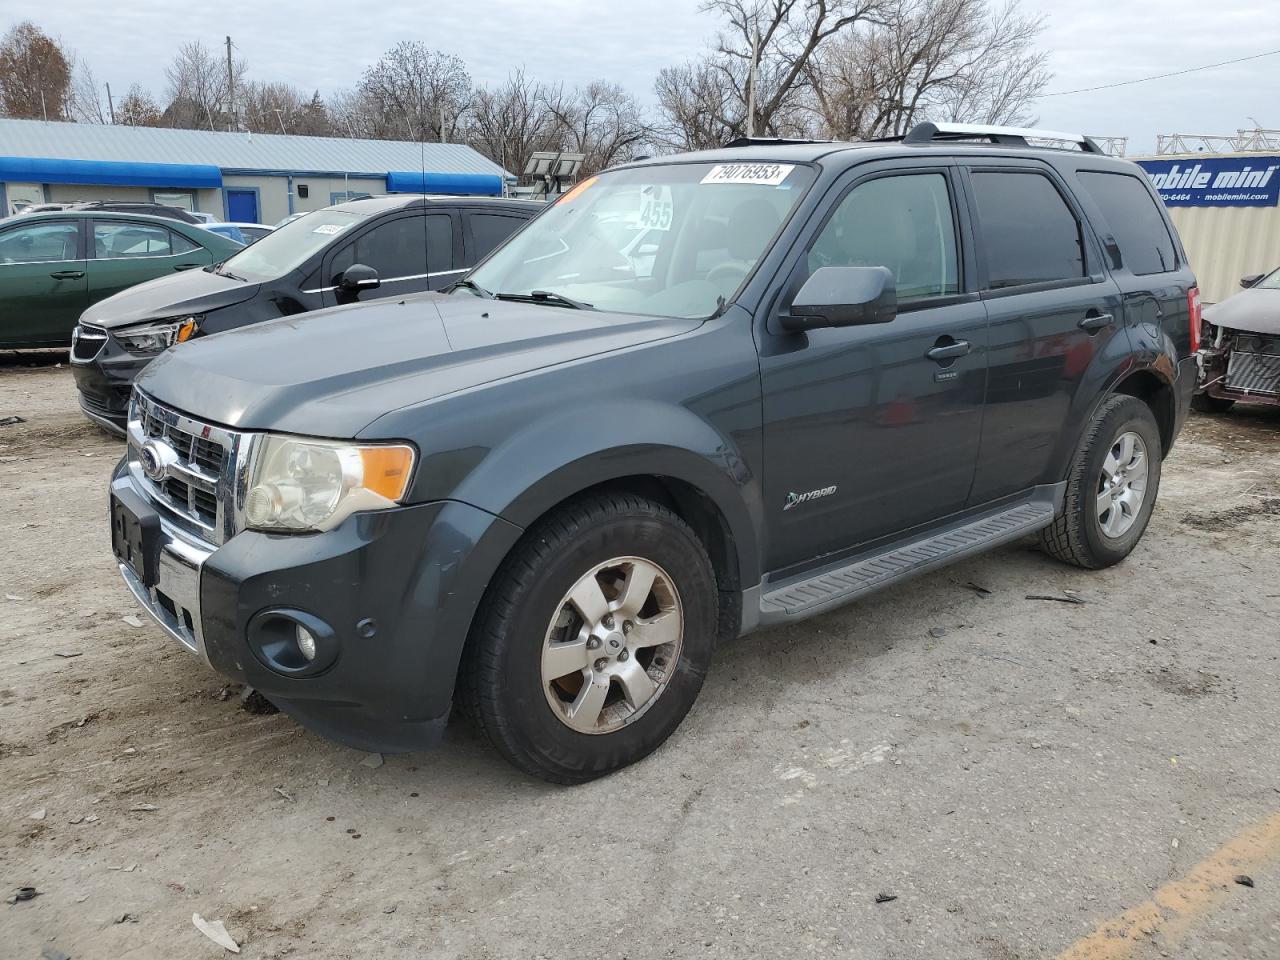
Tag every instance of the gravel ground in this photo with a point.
(1015, 772)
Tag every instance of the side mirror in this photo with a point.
(843, 297)
(1251, 280)
(358, 277)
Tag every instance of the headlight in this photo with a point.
(303, 485)
(154, 337)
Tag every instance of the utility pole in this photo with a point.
(231, 88)
(751, 83)
(111, 107)
(442, 121)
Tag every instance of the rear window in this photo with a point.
(1026, 229)
(1131, 215)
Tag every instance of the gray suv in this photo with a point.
(698, 395)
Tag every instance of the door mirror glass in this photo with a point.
(1251, 280)
(358, 277)
(843, 297)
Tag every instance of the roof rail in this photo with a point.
(1006, 136)
(770, 141)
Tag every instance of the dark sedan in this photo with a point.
(355, 251)
(1240, 347)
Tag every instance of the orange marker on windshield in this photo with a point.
(568, 197)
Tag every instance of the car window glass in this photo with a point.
(39, 243)
(488, 230)
(180, 244)
(393, 248)
(903, 223)
(290, 246)
(1131, 214)
(1026, 229)
(439, 242)
(114, 240)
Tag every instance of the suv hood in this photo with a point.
(191, 291)
(332, 372)
(1257, 311)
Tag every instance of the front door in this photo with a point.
(242, 206)
(864, 434)
(125, 253)
(395, 246)
(1052, 310)
(43, 286)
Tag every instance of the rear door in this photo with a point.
(124, 253)
(1052, 310)
(866, 435)
(43, 285)
(485, 230)
(395, 245)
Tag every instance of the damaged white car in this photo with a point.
(1240, 347)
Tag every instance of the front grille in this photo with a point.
(87, 342)
(198, 469)
(1254, 365)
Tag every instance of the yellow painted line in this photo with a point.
(1179, 904)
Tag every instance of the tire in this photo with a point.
(1083, 534)
(528, 611)
(1204, 403)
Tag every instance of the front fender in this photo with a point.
(567, 452)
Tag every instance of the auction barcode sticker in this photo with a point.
(766, 174)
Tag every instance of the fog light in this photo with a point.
(306, 643)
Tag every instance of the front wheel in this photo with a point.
(1111, 488)
(593, 638)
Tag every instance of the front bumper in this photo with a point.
(105, 380)
(398, 588)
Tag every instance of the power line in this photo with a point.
(1162, 76)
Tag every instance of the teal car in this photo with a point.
(54, 265)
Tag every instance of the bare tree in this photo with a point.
(35, 75)
(600, 120)
(198, 89)
(85, 102)
(415, 93)
(138, 108)
(511, 121)
(787, 35)
(930, 60)
(699, 106)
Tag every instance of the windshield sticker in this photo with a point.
(328, 229)
(656, 208)
(765, 174)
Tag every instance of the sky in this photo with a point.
(324, 44)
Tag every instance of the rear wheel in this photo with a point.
(1111, 489)
(593, 639)
(1205, 403)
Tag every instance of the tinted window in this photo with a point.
(439, 242)
(1026, 230)
(1131, 214)
(488, 230)
(394, 248)
(903, 223)
(115, 240)
(39, 243)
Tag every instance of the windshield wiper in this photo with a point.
(224, 272)
(471, 285)
(545, 296)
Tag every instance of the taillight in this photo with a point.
(1193, 312)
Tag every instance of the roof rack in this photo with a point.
(1005, 136)
(770, 141)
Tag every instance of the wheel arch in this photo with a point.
(1157, 392)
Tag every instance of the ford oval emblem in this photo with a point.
(154, 458)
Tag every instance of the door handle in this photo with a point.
(186, 266)
(949, 351)
(67, 274)
(1096, 322)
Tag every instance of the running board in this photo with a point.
(815, 593)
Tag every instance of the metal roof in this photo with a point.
(236, 151)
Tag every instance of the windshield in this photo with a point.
(1270, 282)
(289, 247)
(671, 240)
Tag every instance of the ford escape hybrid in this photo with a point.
(697, 396)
